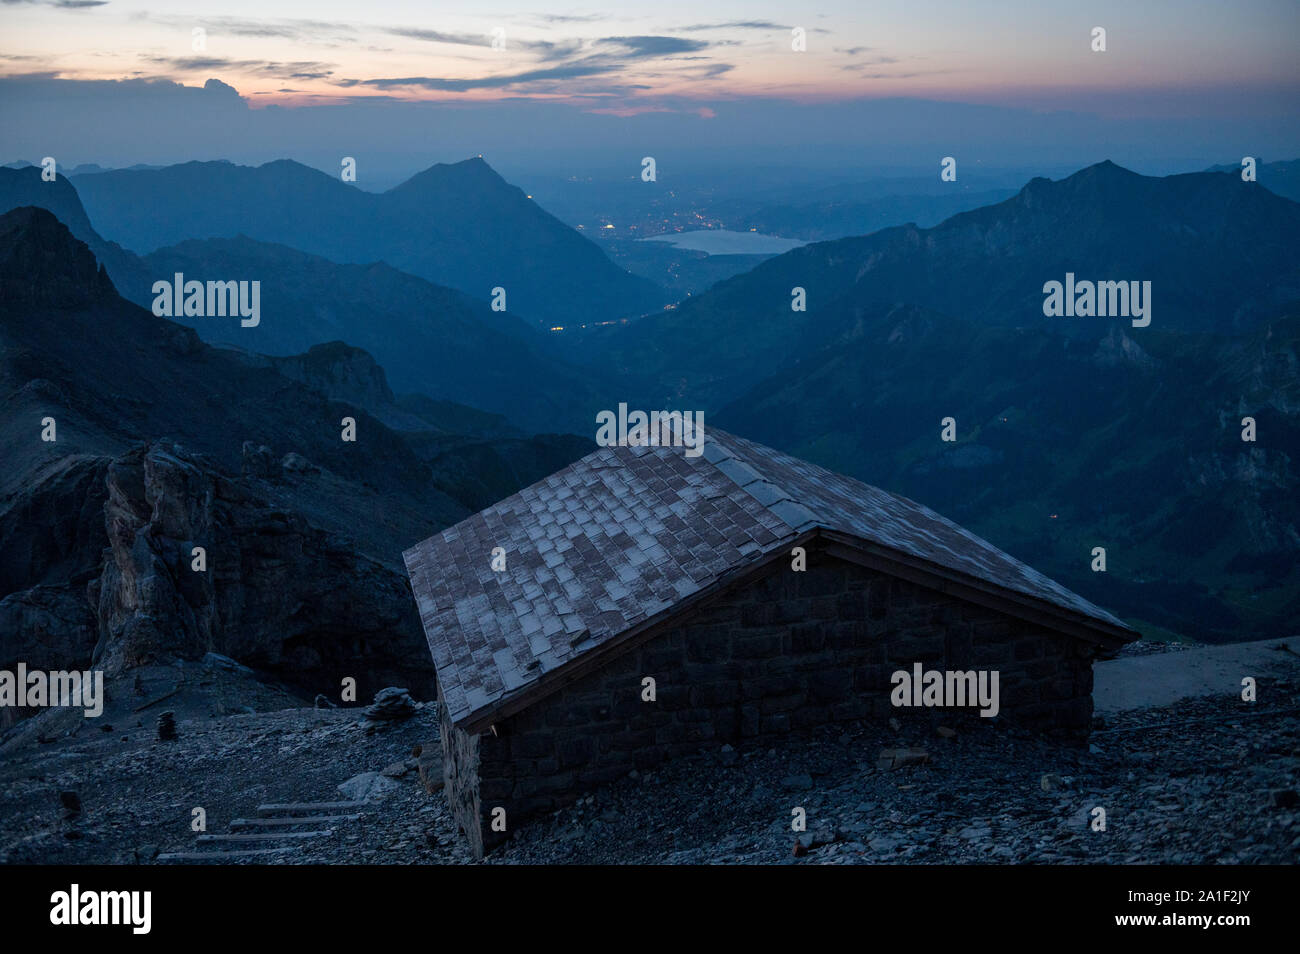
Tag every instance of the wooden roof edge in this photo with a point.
(846, 546)
(977, 590)
(629, 639)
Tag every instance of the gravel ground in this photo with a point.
(1203, 782)
(137, 796)
(1175, 791)
(1143, 647)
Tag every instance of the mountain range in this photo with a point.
(460, 225)
(1219, 254)
(128, 442)
(1282, 178)
(1070, 433)
(1131, 442)
(430, 339)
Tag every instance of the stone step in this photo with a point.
(224, 855)
(239, 823)
(266, 836)
(293, 808)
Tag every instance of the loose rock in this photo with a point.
(167, 727)
(368, 786)
(390, 705)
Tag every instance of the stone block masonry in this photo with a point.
(782, 654)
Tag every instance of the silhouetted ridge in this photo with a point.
(473, 171)
(42, 264)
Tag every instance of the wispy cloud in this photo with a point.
(441, 36)
(594, 67)
(302, 69)
(881, 60)
(899, 76)
(57, 4)
(275, 28)
(714, 69)
(633, 47)
(733, 25)
(572, 17)
(637, 47)
(606, 56)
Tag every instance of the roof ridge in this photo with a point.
(774, 497)
(592, 550)
(804, 518)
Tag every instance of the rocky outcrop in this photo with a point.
(149, 603)
(51, 544)
(49, 627)
(341, 372)
(165, 444)
(198, 563)
(53, 531)
(102, 569)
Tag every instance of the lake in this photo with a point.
(725, 242)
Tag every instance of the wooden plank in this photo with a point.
(222, 855)
(290, 808)
(265, 836)
(301, 820)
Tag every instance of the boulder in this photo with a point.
(898, 758)
(390, 705)
(367, 787)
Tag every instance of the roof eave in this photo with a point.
(1106, 636)
(976, 590)
(630, 638)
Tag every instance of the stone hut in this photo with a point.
(647, 604)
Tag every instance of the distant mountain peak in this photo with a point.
(292, 165)
(1093, 183)
(1106, 171)
(1100, 175)
(474, 170)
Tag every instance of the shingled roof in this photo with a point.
(627, 536)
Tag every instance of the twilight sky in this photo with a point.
(1193, 71)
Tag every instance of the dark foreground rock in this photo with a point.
(1210, 781)
(264, 585)
(137, 794)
